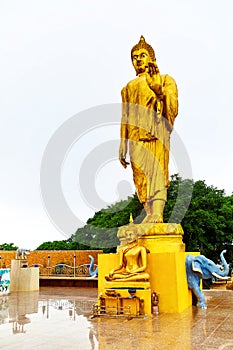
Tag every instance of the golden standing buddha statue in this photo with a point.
(149, 108)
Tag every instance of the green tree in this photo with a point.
(68, 244)
(101, 230)
(54, 245)
(179, 196)
(8, 246)
(208, 221)
(205, 213)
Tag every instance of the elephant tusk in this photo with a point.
(220, 277)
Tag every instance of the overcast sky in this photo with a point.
(60, 58)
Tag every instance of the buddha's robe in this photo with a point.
(149, 134)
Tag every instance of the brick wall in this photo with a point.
(56, 257)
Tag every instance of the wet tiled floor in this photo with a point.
(59, 318)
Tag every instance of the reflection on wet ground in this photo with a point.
(54, 318)
(59, 318)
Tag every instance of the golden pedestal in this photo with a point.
(162, 238)
(158, 238)
(165, 265)
(168, 277)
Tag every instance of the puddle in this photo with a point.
(59, 319)
(37, 320)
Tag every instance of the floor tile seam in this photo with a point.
(215, 343)
(210, 336)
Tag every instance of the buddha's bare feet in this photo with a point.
(153, 219)
(158, 218)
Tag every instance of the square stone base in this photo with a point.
(23, 278)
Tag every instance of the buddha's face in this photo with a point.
(131, 236)
(140, 60)
(127, 236)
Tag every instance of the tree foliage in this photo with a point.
(208, 221)
(101, 230)
(205, 213)
(67, 244)
(8, 246)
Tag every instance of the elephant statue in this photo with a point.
(20, 252)
(198, 267)
(93, 272)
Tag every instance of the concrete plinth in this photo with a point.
(23, 278)
(168, 278)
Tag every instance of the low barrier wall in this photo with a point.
(48, 258)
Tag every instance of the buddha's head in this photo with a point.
(131, 235)
(127, 235)
(141, 55)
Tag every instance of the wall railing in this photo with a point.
(65, 270)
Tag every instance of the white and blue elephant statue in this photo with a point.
(199, 267)
(92, 271)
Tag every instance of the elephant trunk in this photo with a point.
(225, 264)
(222, 274)
(92, 272)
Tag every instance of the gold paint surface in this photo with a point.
(132, 263)
(149, 108)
